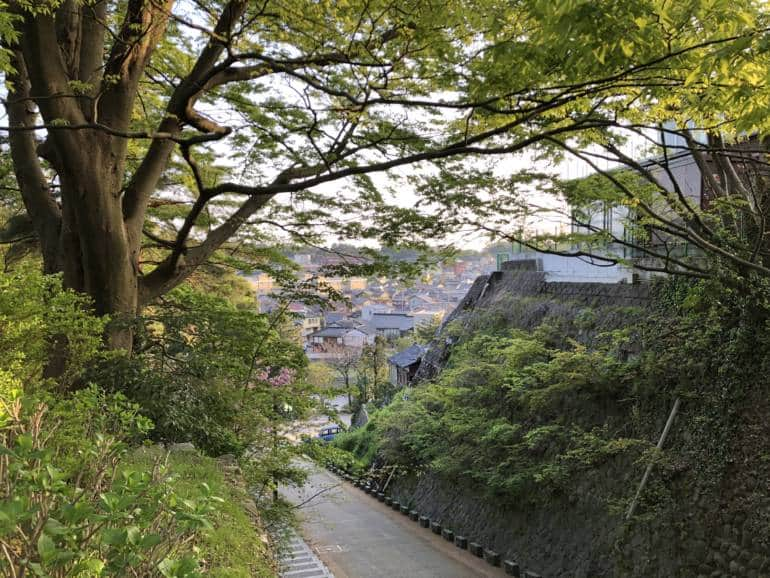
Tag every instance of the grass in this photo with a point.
(236, 548)
(361, 443)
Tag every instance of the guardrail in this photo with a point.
(511, 567)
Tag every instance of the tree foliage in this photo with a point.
(70, 504)
(172, 130)
(505, 415)
(33, 311)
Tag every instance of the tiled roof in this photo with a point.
(408, 356)
(400, 321)
(330, 332)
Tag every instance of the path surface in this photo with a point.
(358, 537)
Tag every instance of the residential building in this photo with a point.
(677, 169)
(357, 283)
(262, 283)
(328, 336)
(403, 365)
(392, 325)
(337, 340)
(368, 310)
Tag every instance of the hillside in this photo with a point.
(538, 409)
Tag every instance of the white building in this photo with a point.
(617, 220)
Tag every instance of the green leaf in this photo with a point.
(46, 548)
(150, 540)
(627, 47)
(88, 568)
(114, 536)
(24, 442)
(55, 528)
(134, 535)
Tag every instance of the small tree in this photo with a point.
(425, 332)
(345, 365)
(373, 371)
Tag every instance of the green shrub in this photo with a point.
(197, 373)
(504, 415)
(70, 507)
(76, 496)
(233, 547)
(34, 311)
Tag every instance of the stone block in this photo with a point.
(414, 515)
(756, 562)
(448, 535)
(476, 549)
(492, 557)
(388, 500)
(380, 496)
(395, 504)
(512, 568)
(461, 542)
(531, 574)
(424, 522)
(405, 510)
(435, 527)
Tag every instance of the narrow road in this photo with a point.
(358, 537)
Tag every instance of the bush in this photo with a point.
(233, 547)
(506, 415)
(76, 496)
(201, 372)
(34, 311)
(69, 506)
(183, 409)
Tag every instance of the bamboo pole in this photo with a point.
(661, 441)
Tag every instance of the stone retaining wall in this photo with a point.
(703, 532)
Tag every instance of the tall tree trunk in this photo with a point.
(100, 261)
(83, 88)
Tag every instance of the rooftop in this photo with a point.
(401, 321)
(408, 356)
(330, 332)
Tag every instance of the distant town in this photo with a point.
(375, 306)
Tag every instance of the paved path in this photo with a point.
(358, 537)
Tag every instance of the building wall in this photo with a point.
(310, 325)
(357, 283)
(357, 339)
(686, 174)
(262, 283)
(574, 269)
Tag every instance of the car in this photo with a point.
(328, 433)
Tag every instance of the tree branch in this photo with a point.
(142, 28)
(35, 191)
(147, 175)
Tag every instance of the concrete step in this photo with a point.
(301, 562)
